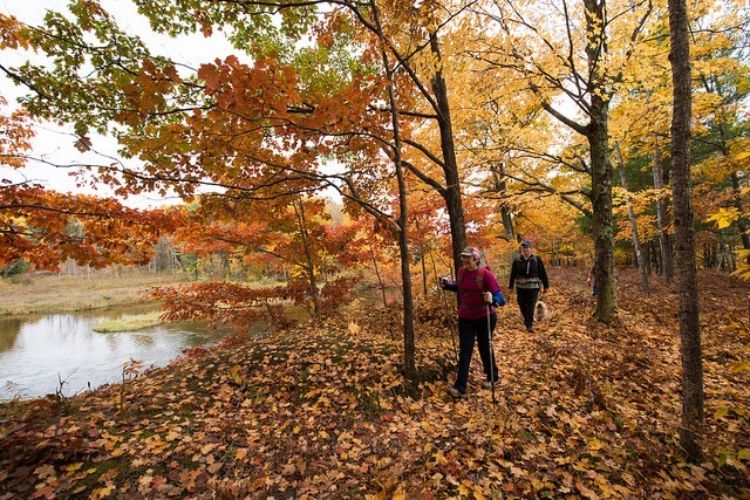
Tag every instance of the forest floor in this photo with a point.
(322, 410)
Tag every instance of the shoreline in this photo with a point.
(11, 314)
(57, 294)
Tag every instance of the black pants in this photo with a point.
(526, 302)
(468, 330)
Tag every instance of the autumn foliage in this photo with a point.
(348, 146)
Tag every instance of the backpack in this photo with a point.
(531, 259)
(478, 279)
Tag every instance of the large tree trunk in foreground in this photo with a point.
(452, 192)
(601, 187)
(403, 240)
(690, 336)
(601, 167)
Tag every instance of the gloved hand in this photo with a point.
(487, 296)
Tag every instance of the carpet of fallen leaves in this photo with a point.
(583, 409)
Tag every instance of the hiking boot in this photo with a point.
(488, 385)
(530, 329)
(455, 392)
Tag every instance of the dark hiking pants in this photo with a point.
(468, 330)
(526, 302)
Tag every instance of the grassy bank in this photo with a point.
(322, 411)
(39, 294)
(130, 322)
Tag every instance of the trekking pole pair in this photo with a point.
(451, 328)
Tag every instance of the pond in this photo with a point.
(36, 350)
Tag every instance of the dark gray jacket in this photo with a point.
(524, 270)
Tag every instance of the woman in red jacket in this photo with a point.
(478, 295)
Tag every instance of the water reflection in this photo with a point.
(35, 350)
(143, 340)
(9, 330)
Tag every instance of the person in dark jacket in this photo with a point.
(529, 276)
(478, 295)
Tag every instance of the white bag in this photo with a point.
(540, 311)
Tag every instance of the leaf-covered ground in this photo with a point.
(323, 411)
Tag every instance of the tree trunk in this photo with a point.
(555, 255)
(403, 241)
(662, 220)
(690, 336)
(434, 267)
(706, 255)
(501, 187)
(452, 193)
(380, 279)
(601, 190)
(314, 292)
(639, 257)
(424, 272)
(601, 168)
(422, 259)
(742, 224)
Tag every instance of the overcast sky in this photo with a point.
(56, 143)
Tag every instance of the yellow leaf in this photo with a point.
(595, 445)
(354, 328)
(103, 492)
(399, 494)
(724, 217)
(721, 412)
(240, 454)
(74, 467)
(234, 374)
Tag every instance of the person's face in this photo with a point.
(526, 251)
(469, 262)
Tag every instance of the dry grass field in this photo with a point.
(42, 293)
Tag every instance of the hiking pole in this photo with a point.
(493, 369)
(450, 328)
